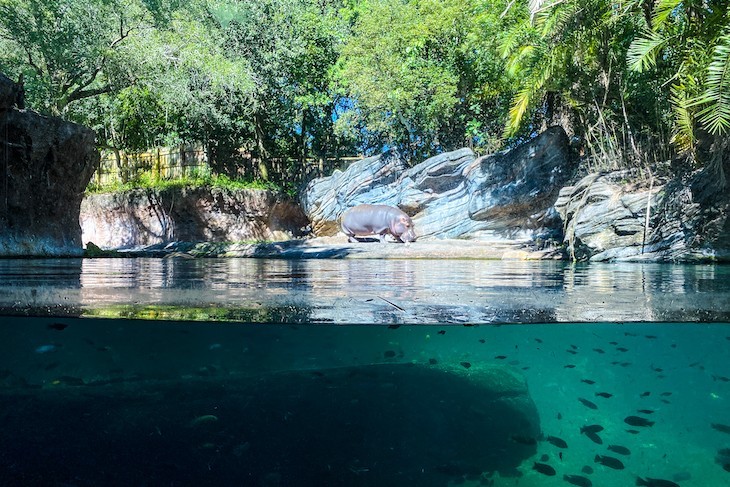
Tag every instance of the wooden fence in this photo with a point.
(187, 161)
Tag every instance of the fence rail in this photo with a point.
(186, 161)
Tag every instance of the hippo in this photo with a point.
(379, 220)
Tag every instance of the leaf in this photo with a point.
(643, 51)
(716, 115)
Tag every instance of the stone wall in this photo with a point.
(45, 165)
(145, 217)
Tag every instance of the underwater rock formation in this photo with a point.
(384, 424)
(45, 165)
(146, 217)
(507, 196)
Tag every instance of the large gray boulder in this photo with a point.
(45, 165)
(144, 217)
(506, 196)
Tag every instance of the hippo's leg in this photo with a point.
(352, 239)
(382, 238)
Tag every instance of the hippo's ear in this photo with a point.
(405, 220)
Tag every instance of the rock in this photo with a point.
(144, 217)
(605, 219)
(506, 196)
(382, 425)
(9, 91)
(45, 165)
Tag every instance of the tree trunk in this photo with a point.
(261, 146)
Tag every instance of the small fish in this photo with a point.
(645, 394)
(657, 369)
(524, 440)
(622, 349)
(665, 394)
(625, 364)
(572, 351)
(57, 326)
(588, 381)
(651, 337)
(559, 416)
(466, 365)
(604, 394)
(578, 480)
(629, 334)
(723, 428)
(46, 349)
(666, 402)
(591, 428)
(609, 462)
(587, 469)
(637, 421)
(633, 432)
(482, 340)
(695, 364)
(613, 343)
(569, 366)
(389, 354)
(721, 378)
(544, 469)
(442, 332)
(432, 361)
(621, 450)
(647, 482)
(594, 438)
(599, 350)
(501, 357)
(587, 403)
(559, 442)
(538, 340)
(646, 411)
(574, 347)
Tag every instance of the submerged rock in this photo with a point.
(384, 424)
(45, 165)
(506, 196)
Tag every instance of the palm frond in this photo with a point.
(643, 51)
(520, 104)
(663, 10)
(684, 135)
(715, 116)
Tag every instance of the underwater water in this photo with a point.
(368, 373)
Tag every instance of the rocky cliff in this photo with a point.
(506, 196)
(145, 217)
(45, 165)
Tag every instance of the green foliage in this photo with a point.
(146, 181)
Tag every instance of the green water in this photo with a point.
(129, 402)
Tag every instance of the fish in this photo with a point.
(544, 469)
(587, 469)
(46, 349)
(442, 332)
(591, 428)
(647, 482)
(578, 480)
(609, 462)
(559, 416)
(604, 394)
(501, 357)
(651, 337)
(645, 394)
(613, 343)
(57, 326)
(588, 381)
(559, 442)
(599, 350)
(432, 361)
(594, 438)
(466, 365)
(621, 450)
(633, 432)
(721, 378)
(587, 403)
(646, 411)
(638, 421)
(723, 428)
(389, 354)
(569, 366)
(629, 334)
(538, 340)
(572, 351)
(482, 340)
(622, 349)
(574, 347)
(523, 440)
(390, 327)
(665, 394)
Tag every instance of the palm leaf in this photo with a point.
(715, 116)
(663, 10)
(643, 51)
(684, 137)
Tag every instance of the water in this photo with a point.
(262, 372)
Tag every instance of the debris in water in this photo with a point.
(205, 419)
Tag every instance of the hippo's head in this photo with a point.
(403, 229)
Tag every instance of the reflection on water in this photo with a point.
(365, 291)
